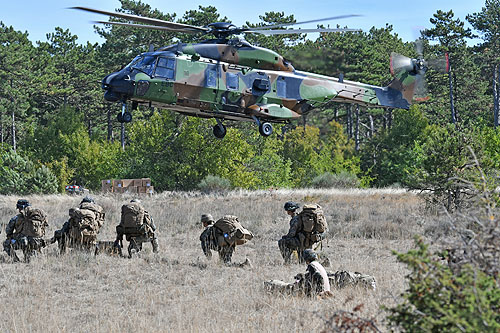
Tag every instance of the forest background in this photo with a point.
(56, 128)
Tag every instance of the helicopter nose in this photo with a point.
(119, 86)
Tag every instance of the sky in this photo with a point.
(39, 17)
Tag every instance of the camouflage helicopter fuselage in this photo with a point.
(241, 82)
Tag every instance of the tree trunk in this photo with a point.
(349, 122)
(89, 127)
(389, 118)
(14, 145)
(122, 136)
(356, 134)
(452, 105)
(110, 124)
(495, 95)
(372, 126)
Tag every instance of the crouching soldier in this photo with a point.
(137, 226)
(306, 229)
(82, 227)
(223, 236)
(25, 231)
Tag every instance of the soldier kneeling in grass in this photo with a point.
(317, 282)
(223, 236)
(82, 227)
(137, 226)
(25, 231)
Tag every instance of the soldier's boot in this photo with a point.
(133, 247)
(246, 263)
(28, 254)
(154, 243)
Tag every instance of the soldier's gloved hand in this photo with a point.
(116, 243)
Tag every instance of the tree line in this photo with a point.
(56, 128)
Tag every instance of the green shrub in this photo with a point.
(19, 175)
(340, 180)
(211, 184)
(439, 300)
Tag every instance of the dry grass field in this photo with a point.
(178, 290)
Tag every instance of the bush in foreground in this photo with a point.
(437, 300)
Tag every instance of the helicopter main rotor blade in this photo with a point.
(145, 26)
(298, 31)
(304, 22)
(151, 21)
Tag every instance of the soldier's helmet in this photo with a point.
(309, 255)
(291, 206)
(88, 199)
(207, 218)
(22, 203)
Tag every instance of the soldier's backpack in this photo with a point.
(83, 224)
(35, 222)
(313, 219)
(132, 217)
(96, 209)
(231, 231)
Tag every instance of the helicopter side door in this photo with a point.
(197, 83)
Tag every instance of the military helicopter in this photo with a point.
(230, 79)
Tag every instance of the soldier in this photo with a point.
(207, 238)
(82, 227)
(306, 229)
(314, 282)
(223, 236)
(317, 281)
(137, 226)
(291, 241)
(25, 231)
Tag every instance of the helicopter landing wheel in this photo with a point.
(219, 131)
(265, 129)
(127, 117)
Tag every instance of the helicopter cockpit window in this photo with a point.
(144, 64)
(232, 81)
(166, 68)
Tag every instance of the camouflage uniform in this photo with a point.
(314, 282)
(338, 280)
(16, 240)
(63, 236)
(291, 241)
(296, 239)
(146, 233)
(209, 241)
